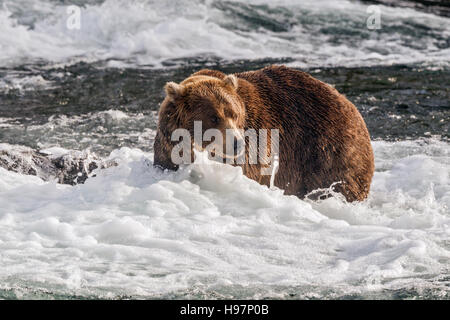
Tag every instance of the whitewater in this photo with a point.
(155, 33)
(207, 231)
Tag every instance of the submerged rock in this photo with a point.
(67, 167)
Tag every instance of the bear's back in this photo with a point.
(323, 138)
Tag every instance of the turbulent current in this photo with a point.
(206, 231)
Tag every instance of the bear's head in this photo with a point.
(210, 110)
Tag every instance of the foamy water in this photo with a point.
(209, 231)
(311, 33)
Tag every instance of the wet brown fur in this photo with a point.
(323, 138)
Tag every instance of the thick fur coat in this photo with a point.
(323, 139)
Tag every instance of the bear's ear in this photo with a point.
(173, 90)
(231, 80)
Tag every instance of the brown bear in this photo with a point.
(323, 140)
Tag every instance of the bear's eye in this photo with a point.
(214, 119)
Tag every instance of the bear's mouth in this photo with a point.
(215, 154)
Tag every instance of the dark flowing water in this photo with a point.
(397, 102)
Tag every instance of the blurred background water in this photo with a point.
(98, 89)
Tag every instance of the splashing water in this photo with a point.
(208, 231)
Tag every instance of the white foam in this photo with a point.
(115, 114)
(22, 82)
(55, 151)
(134, 230)
(325, 33)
